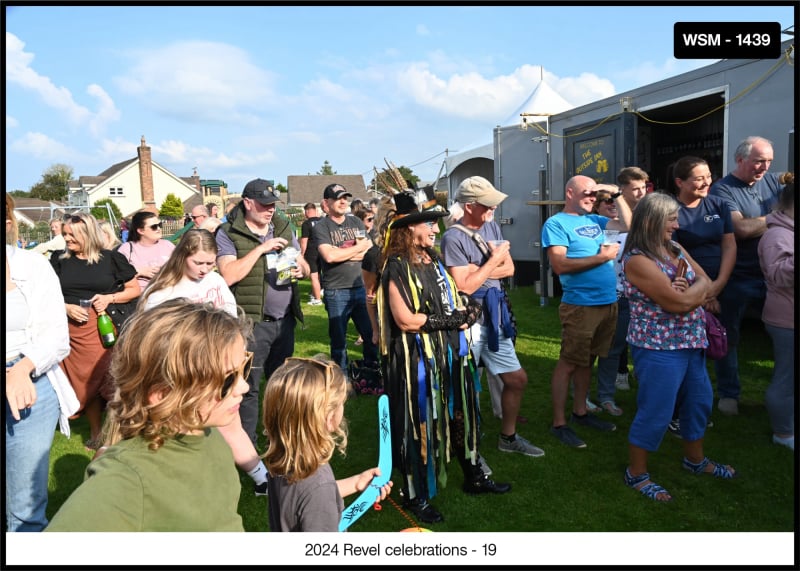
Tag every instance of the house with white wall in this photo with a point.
(134, 184)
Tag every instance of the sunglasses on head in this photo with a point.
(75, 219)
(243, 370)
(155, 226)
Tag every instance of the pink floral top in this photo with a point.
(651, 327)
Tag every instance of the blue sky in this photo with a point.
(241, 92)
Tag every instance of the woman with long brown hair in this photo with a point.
(429, 374)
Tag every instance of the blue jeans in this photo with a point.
(607, 367)
(28, 442)
(737, 296)
(666, 378)
(343, 305)
(779, 397)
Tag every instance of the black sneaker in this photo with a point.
(423, 511)
(566, 435)
(674, 427)
(261, 489)
(482, 485)
(592, 421)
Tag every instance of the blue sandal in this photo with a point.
(720, 470)
(650, 490)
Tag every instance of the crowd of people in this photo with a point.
(425, 288)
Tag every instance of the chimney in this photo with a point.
(146, 177)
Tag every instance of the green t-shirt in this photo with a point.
(189, 484)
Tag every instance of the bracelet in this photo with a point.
(113, 298)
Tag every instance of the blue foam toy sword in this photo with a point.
(372, 492)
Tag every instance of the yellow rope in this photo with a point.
(786, 59)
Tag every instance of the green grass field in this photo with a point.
(567, 490)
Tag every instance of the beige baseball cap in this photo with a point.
(478, 189)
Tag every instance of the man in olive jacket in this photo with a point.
(249, 244)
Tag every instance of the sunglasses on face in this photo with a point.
(370, 219)
(198, 216)
(608, 201)
(155, 226)
(589, 193)
(243, 371)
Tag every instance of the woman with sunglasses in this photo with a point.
(189, 273)
(146, 248)
(179, 373)
(303, 415)
(429, 374)
(89, 272)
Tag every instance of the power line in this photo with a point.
(415, 164)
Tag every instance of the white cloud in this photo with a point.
(649, 72)
(585, 88)
(20, 72)
(41, 146)
(199, 81)
(469, 95)
(11, 122)
(422, 30)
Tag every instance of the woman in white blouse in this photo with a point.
(38, 393)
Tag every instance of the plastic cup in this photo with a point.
(85, 303)
(610, 236)
(497, 243)
(360, 234)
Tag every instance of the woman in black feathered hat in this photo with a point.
(429, 374)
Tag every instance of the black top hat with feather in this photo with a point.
(416, 205)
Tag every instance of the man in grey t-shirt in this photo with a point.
(342, 242)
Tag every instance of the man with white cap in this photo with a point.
(478, 259)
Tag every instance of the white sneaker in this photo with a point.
(591, 407)
(729, 406)
(622, 383)
(788, 442)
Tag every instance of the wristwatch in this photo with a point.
(616, 195)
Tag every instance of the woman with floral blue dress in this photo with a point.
(666, 289)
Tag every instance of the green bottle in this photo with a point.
(108, 334)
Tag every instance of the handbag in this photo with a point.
(120, 313)
(717, 337)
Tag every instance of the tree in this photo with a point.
(53, 185)
(100, 211)
(20, 194)
(326, 169)
(407, 174)
(171, 208)
(281, 188)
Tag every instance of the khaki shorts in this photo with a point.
(587, 331)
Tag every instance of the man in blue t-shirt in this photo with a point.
(574, 240)
(750, 192)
